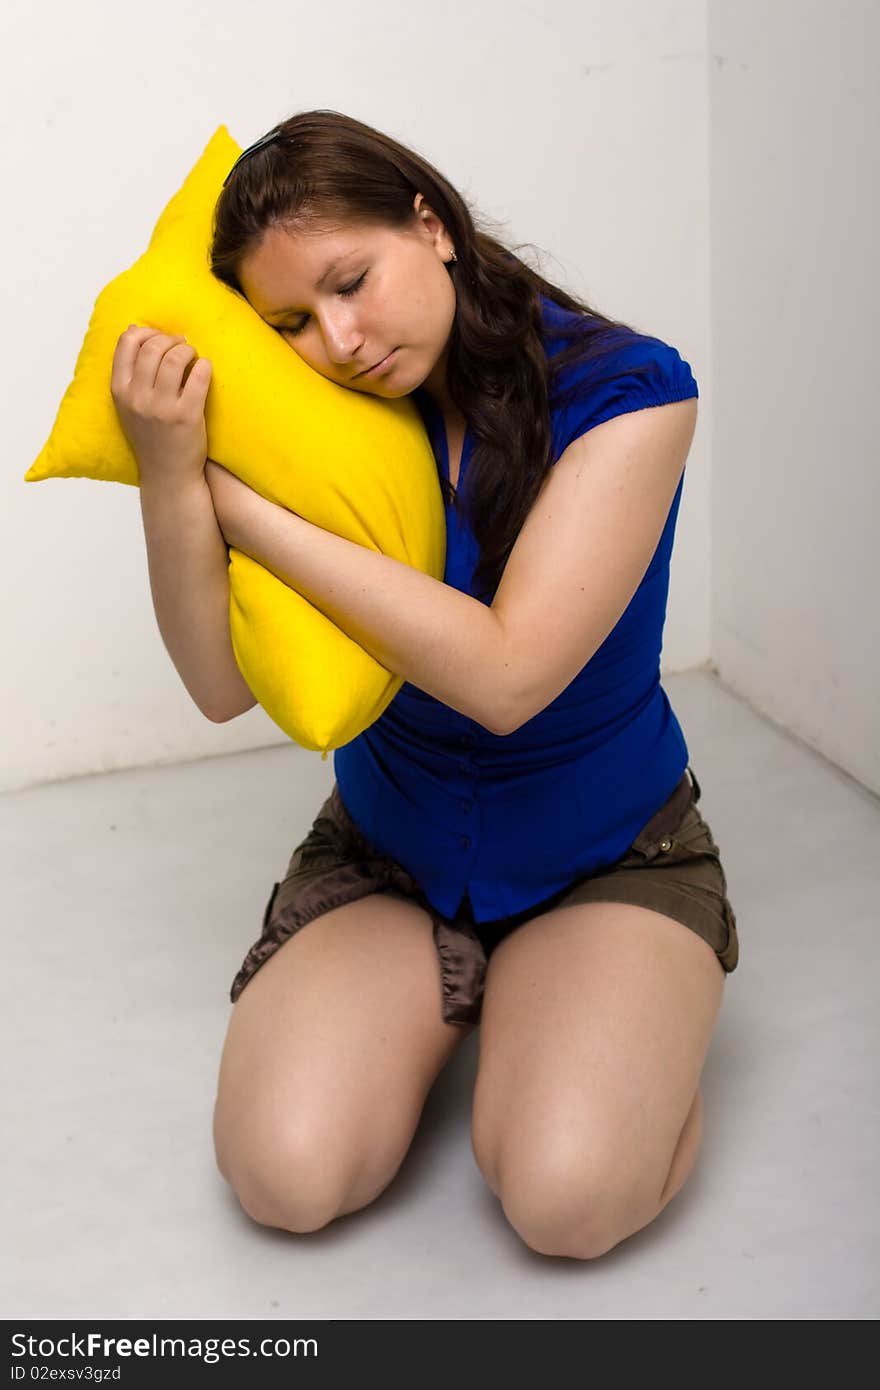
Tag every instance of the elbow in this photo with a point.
(507, 728)
(506, 720)
(526, 705)
(215, 716)
(223, 717)
(520, 709)
(507, 711)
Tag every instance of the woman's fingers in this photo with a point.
(171, 367)
(161, 363)
(151, 367)
(196, 382)
(125, 356)
(159, 389)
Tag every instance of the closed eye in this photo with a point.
(297, 328)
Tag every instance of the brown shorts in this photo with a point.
(672, 866)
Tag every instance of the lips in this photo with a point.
(377, 364)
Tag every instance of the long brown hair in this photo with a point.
(325, 165)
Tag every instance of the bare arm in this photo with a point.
(189, 581)
(599, 515)
(159, 391)
(448, 644)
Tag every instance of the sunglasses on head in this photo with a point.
(251, 149)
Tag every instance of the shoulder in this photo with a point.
(615, 370)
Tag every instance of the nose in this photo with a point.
(342, 337)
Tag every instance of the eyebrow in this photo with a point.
(279, 313)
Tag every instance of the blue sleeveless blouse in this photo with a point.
(510, 820)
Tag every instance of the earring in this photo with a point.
(453, 257)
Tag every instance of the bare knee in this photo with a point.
(286, 1207)
(287, 1182)
(581, 1229)
(300, 1178)
(281, 1173)
(560, 1208)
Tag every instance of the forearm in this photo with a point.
(189, 581)
(441, 640)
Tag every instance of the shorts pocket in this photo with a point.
(694, 838)
(691, 853)
(690, 842)
(693, 834)
(684, 861)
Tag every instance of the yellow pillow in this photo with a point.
(355, 465)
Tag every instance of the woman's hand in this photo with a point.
(159, 394)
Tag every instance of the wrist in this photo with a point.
(172, 472)
(175, 495)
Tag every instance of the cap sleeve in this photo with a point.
(594, 392)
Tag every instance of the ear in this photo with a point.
(429, 223)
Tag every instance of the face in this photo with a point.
(345, 298)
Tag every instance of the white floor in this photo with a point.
(129, 902)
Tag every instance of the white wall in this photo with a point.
(795, 294)
(583, 129)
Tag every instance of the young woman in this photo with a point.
(516, 841)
